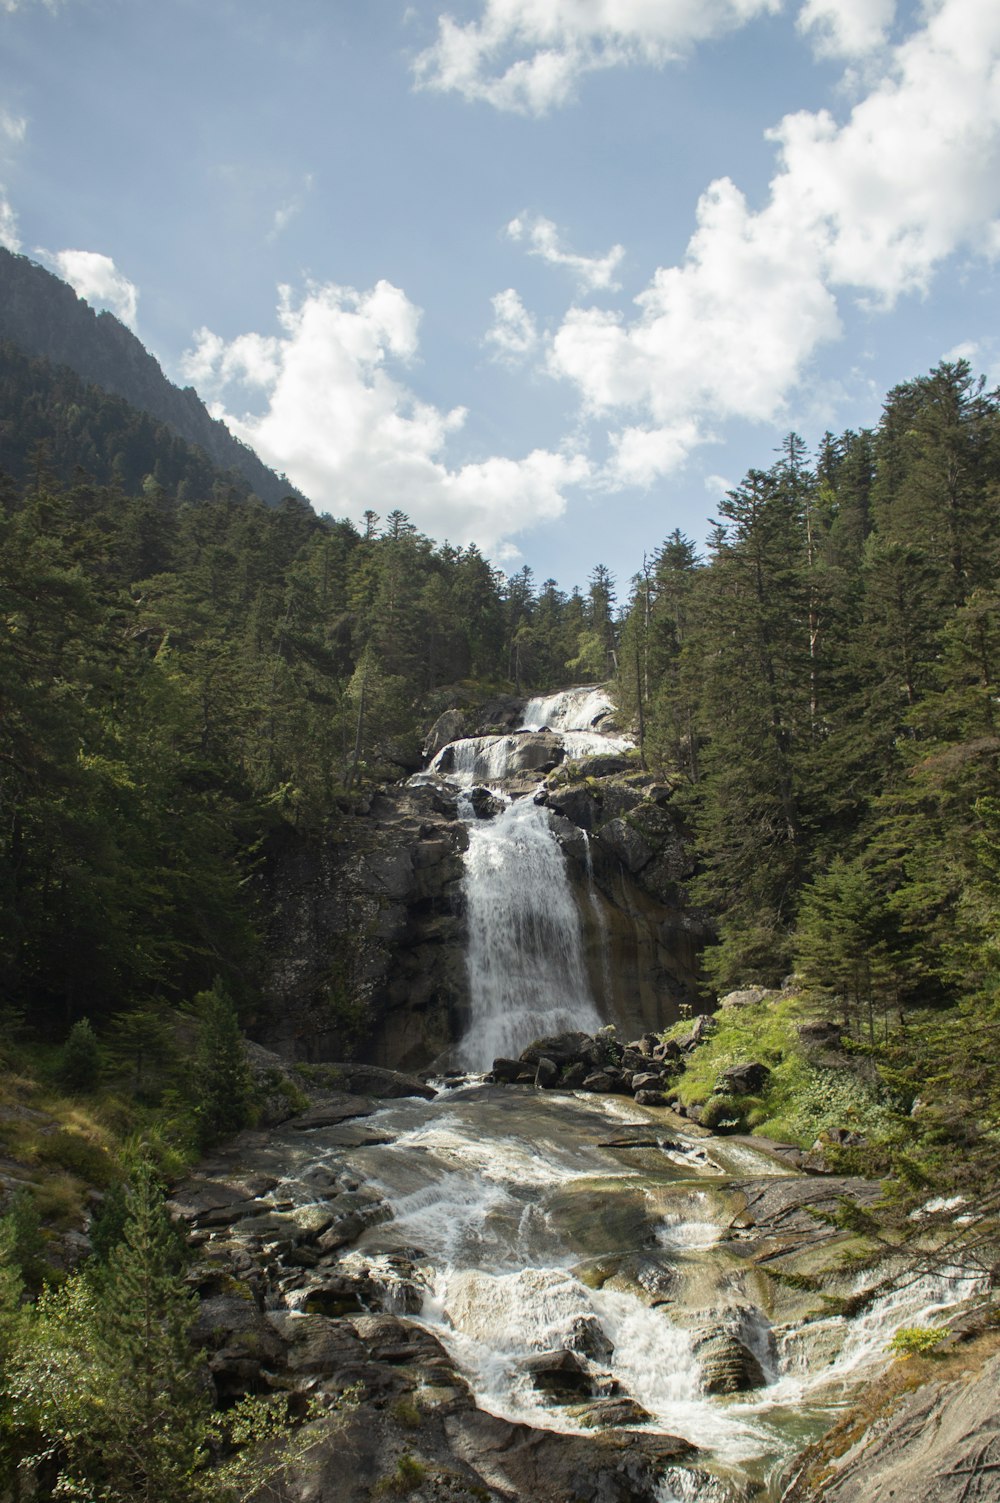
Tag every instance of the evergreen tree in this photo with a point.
(223, 1085)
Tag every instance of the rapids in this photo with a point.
(537, 1222)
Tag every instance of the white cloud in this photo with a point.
(13, 127)
(846, 28)
(291, 208)
(592, 273)
(9, 236)
(96, 278)
(527, 55)
(513, 333)
(872, 206)
(353, 436)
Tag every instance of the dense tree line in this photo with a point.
(823, 684)
(179, 678)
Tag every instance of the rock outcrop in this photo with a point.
(939, 1442)
(366, 935)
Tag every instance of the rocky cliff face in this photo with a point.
(367, 931)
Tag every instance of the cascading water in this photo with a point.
(526, 969)
(525, 956)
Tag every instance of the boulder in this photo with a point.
(748, 997)
(561, 1374)
(821, 1035)
(335, 1108)
(652, 1098)
(647, 1080)
(371, 1080)
(519, 1462)
(743, 1080)
(573, 1076)
(485, 805)
(547, 1073)
(447, 727)
(727, 1365)
(506, 1071)
(562, 1049)
(606, 1414)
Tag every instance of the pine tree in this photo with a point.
(223, 1085)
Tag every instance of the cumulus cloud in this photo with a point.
(96, 278)
(527, 55)
(9, 236)
(846, 28)
(354, 436)
(870, 207)
(513, 334)
(592, 273)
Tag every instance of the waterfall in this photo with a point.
(525, 958)
(569, 710)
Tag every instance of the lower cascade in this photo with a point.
(544, 1295)
(527, 978)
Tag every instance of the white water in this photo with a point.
(527, 977)
(569, 710)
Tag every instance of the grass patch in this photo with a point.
(801, 1099)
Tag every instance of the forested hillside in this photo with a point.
(43, 316)
(824, 683)
(184, 676)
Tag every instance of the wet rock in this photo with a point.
(371, 1080)
(562, 1049)
(352, 1213)
(653, 1098)
(562, 1375)
(646, 1080)
(334, 1109)
(519, 1463)
(606, 1414)
(573, 1076)
(485, 805)
(727, 1365)
(547, 1073)
(743, 1080)
(506, 1071)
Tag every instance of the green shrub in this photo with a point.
(725, 1113)
(79, 1067)
(915, 1341)
(76, 1154)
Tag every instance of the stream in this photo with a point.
(588, 1264)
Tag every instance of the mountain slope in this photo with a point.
(45, 318)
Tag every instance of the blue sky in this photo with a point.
(546, 274)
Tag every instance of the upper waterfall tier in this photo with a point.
(569, 710)
(560, 727)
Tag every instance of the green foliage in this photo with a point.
(915, 1341)
(223, 1088)
(102, 1390)
(801, 1099)
(80, 1065)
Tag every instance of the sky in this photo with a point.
(548, 275)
